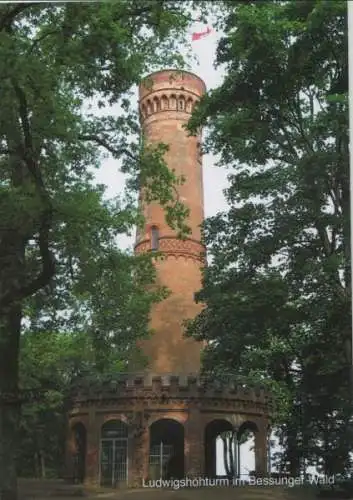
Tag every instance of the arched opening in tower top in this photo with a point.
(79, 457)
(164, 102)
(218, 458)
(114, 453)
(181, 103)
(189, 105)
(166, 460)
(156, 104)
(172, 101)
(154, 238)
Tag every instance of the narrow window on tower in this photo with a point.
(154, 238)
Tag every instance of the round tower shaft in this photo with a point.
(166, 104)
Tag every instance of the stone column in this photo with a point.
(269, 450)
(237, 456)
(93, 449)
(261, 449)
(70, 450)
(210, 457)
(194, 449)
(140, 455)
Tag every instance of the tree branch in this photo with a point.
(102, 142)
(7, 20)
(47, 258)
(36, 41)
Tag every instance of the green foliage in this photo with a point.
(48, 362)
(82, 301)
(278, 288)
(63, 54)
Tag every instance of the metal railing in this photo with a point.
(113, 462)
(158, 460)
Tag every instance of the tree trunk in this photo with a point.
(42, 464)
(9, 400)
(14, 284)
(225, 457)
(12, 262)
(228, 455)
(36, 465)
(231, 455)
(293, 453)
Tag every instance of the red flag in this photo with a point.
(198, 36)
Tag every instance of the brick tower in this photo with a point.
(167, 99)
(128, 428)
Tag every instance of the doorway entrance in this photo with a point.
(79, 432)
(166, 460)
(114, 454)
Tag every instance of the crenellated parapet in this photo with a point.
(171, 389)
(170, 91)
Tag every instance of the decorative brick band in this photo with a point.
(174, 246)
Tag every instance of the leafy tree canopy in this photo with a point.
(60, 265)
(278, 288)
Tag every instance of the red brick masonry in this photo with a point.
(140, 401)
(167, 99)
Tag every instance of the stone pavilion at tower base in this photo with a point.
(137, 428)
